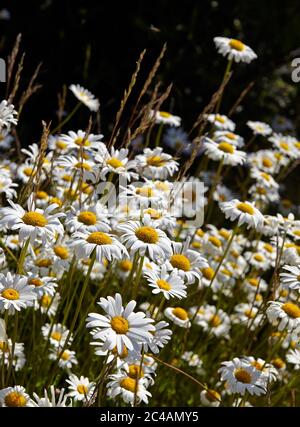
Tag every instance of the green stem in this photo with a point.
(22, 256)
(158, 135)
(60, 125)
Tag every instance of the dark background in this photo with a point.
(61, 33)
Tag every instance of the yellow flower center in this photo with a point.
(237, 45)
(155, 161)
(242, 376)
(180, 313)
(226, 147)
(181, 262)
(3, 346)
(36, 282)
(224, 233)
(82, 389)
(67, 178)
(266, 176)
(164, 114)
(124, 353)
(114, 163)
(253, 282)
(163, 186)
(257, 365)
(292, 310)
(215, 241)
(134, 371)
(267, 163)
(215, 321)
(147, 234)
(129, 384)
(153, 213)
(249, 313)
(10, 294)
(200, 232)
(15, 399)
(119, 324)
(212, 395)
(126, 265)
(269, 248)
(284, 146)
(99, 238)
(87, 218)
(220, 119)
(86, 188)
(65, 355)
(83, 165)
(41, 195)
(81, 142)
(61, 252)
(278, 363)
(35, 219)
(258, 257)
(245, 208)
(43, 262)
(56, 336)
(28, 172)
(61, 145)
(144, 191)
(162, 284)
(46, 301)
(261, 190)
(230, 135)
(208, 273)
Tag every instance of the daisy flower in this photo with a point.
(156, 164)
(115, 162)
(57, 334)
(247, 315)
(85, 96)
(259, 128)
(224, 151)
(234, 49)
(145, 238)
(43, 285)
(105, 245)
(13, 397)
(127, 387)
(178, 315)
(240, 377)
(245, 212)
(15, 293)
(169, 284)
(221, 122)
(212, 320)
(66, 360)
(186, 261)
(284, 315)
(120, 326)
(88, 218)
(80, 388)
(33, 224)
(226, 136)
(166, 118)
(8, 115)
(79, 139)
